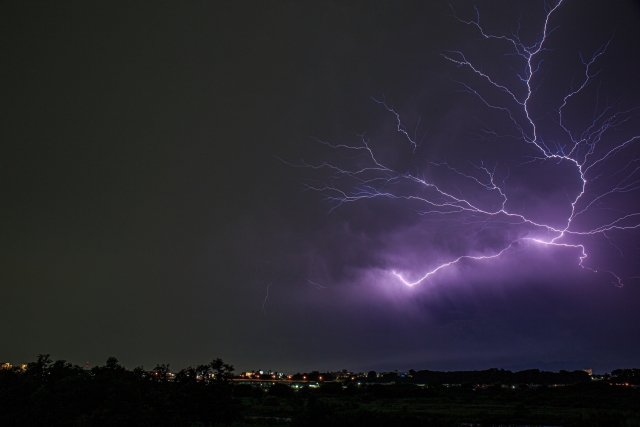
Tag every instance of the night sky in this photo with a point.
(173, 179)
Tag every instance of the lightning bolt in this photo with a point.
(589, 151)
(317, 285)
(266, 297)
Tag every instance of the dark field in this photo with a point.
(382, 405)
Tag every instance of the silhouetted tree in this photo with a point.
(222, 371)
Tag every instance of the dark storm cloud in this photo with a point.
(493, 320)
(498, 314)
(146, 213)
(390, 235)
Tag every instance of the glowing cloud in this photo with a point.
(600, 167)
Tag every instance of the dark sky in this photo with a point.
(146, 214)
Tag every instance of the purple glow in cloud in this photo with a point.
(563, 169)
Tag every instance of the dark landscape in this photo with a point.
(58, 393)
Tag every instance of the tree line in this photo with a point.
(49, 393)
(58, 393)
